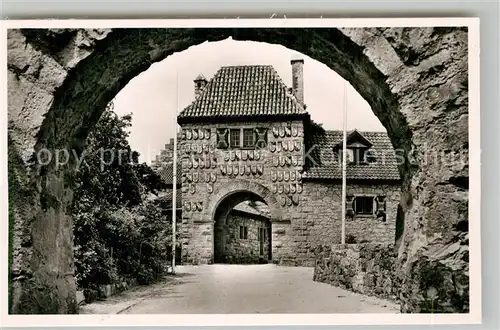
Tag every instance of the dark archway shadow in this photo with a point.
(242, 232)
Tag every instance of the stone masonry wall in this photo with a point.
(207, 170)
(321, 206)
(311, 210)
(365, 268)
(245, 250)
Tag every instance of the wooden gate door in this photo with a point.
(261, 241)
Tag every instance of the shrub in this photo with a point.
(118, 234)
(350, 239)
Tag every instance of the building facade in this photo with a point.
(247, 137)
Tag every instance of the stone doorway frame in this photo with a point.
(244, 189)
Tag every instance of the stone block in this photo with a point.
(80, 297)
(356, 267)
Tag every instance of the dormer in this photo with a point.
(357, 146)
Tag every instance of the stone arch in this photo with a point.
(225, 198)
(243, 186)
(59, 82)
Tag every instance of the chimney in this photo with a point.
(298, 78)
(170, 145)
(199, 84)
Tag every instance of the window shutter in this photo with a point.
(380, 206)
(261, 138)
(370, 156)
(349, 206)
(222, 138)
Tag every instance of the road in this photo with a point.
(245, 289)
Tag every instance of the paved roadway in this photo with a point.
(225, 289)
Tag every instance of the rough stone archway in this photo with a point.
(228, 196)
(243, 186)
(59, 82)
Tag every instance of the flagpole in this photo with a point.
(174, 177)
(344, 162)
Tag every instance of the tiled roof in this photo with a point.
(245, 207)
(167, 198)
(263, 208)
(243, 91)
(167, 173)
(260, 210)
(327, 165)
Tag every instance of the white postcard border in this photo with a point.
(264, 319)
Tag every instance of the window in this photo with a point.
(358, 155)
(363, 205)
(354, 155)
(350, 156)
(243, 232)
(235, 138)
(248, 138)
(370, 156)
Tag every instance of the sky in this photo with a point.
(157, 94)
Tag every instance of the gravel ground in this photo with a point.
(242, 289)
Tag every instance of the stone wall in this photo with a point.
(310, 212)
(321, 207)
(247, 250)
(317, 221)
(365, 268)
(372, 269)
(209, 172)
(106, 290)
(440, 276)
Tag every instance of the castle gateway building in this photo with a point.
(247, 137)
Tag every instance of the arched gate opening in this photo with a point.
(242, 230)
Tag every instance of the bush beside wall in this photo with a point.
(122, 229)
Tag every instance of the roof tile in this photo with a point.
(246, 207)
(325, 164)
(167, 197)
(167, 173)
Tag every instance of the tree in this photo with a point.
(117, 232)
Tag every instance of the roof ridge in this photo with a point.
(352, 131)
(246, 65)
